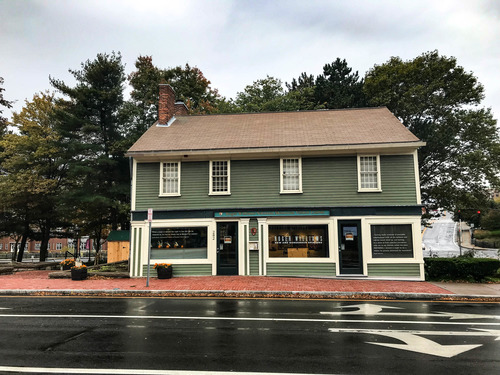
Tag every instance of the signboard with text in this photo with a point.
(392, 241)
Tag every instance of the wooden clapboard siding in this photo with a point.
(326, 182)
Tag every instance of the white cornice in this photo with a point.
(265, 153)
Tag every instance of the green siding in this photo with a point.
(301, 269)
(394, 269)
(256, 183)
(254, 263)
(185, 270)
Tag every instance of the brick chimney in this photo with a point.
(166, 107)
(180, 109)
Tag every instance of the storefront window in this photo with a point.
(179, 243)
(298, 241)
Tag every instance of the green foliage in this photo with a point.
(35, 170)
(338, 87)
(491, 221)
(264, 95)
(461, 268)
(3, 103)
(437, 100)
(482, 234)
(93, 136)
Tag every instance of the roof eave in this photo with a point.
(259, 152)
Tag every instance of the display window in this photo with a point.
(179, 243)
(298, 241)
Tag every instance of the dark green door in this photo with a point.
(350, 254)
(227, 248)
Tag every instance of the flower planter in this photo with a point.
(79, 274)
(164, 273)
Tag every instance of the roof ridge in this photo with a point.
(277, 112)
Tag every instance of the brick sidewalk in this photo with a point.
(39, 280)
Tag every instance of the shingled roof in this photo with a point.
(275, 130)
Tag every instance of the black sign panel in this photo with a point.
(392, 241)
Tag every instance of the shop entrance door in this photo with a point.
(227, 248)
(350, 254)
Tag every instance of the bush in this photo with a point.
(476, 269)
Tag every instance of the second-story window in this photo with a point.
(220, 177)
(369, 173)
(170, 180)
(291, 175)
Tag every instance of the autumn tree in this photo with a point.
(439, 102)
(35, 169)
(190, 86)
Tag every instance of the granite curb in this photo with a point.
(250, 294)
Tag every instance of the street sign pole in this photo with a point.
(460, 236)
(150, 219)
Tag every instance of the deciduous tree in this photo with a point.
(439, 102)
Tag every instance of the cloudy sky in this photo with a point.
(237, 42)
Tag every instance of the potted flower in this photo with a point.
(79, 272)
(163, 270)
(66, 264)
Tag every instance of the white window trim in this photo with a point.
(282, 191)
(379, 185)
(228, 192)
(161, 193)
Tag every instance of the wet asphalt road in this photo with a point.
(275, 336)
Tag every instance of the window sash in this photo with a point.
(290, 175)
(219, 176)
(369, 173)
(170, 178)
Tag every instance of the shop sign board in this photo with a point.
(392, 241)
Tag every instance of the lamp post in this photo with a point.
(77, 246)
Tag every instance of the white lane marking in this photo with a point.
(5, 308)
(415, 343)
(483, 333)
(49, 370)
(152, 317)
(368, 309)
(422, 345)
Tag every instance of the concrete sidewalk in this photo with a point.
(38, 283)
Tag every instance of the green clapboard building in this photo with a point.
(315, 193)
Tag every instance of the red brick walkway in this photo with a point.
(39, 280)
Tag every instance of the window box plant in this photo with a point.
(66, 264)
(163, 270)
(79, 272)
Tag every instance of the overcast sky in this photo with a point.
(237, 42)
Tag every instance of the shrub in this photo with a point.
(460, 268)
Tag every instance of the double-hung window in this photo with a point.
(220, 178)
(369, 173)
(291, 175)
(170, 179)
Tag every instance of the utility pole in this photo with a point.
(460, 235)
